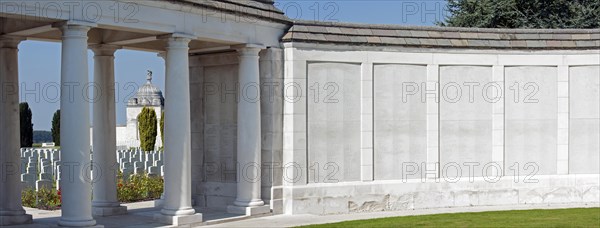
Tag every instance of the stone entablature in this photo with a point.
(442, 37)
(259, 9)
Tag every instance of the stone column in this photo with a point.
(75, 128)
(160, 202)
(177, 208)
(105, 202)
(248, 200)
(11, 210)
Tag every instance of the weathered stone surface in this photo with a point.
(387, 197)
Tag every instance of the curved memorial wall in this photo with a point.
(380, 118)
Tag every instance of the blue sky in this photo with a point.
(39, 83)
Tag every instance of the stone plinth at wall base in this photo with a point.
(249, 211)
(7, 220)
(277, 206)
(108, 211)
(180, 220)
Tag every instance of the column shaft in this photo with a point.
(248, 129)
(105, 167)
(177, 162)
(11, 209)
(75, 129)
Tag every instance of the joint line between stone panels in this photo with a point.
(503, 121)
(568, 119)
(439, 125)
(373, 122)
(306, 160)
(568, 115)
(558, 118)
(568, 98)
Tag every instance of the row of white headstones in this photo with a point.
(41, 168)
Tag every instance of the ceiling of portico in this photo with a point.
(39, 29)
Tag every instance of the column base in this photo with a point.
(249, 211)
(250, 203)
(108, 211)
(8, 220)
(94, 226)
(179, 220)
(84, 223)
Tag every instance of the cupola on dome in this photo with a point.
(147, 95)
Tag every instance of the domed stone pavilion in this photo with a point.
(148, 95)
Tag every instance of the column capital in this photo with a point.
(73, 23)
(104, 49)
(11, 42)
(177, 40)
(74, 28)
(248, 49)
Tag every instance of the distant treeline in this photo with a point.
(42, 136)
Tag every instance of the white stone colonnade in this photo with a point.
(76, 181)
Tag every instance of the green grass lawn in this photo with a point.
(579, 217)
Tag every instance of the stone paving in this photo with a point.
(140, 215)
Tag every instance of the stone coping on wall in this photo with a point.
(441, 37)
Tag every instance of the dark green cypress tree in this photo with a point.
(26, 125)
(162, 128)
(56, 128)
(147, 128)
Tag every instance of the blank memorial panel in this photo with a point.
(531, 119)
(400, 125)
(584, 123)
(333, 102)
(220, 131)
(465, 120)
